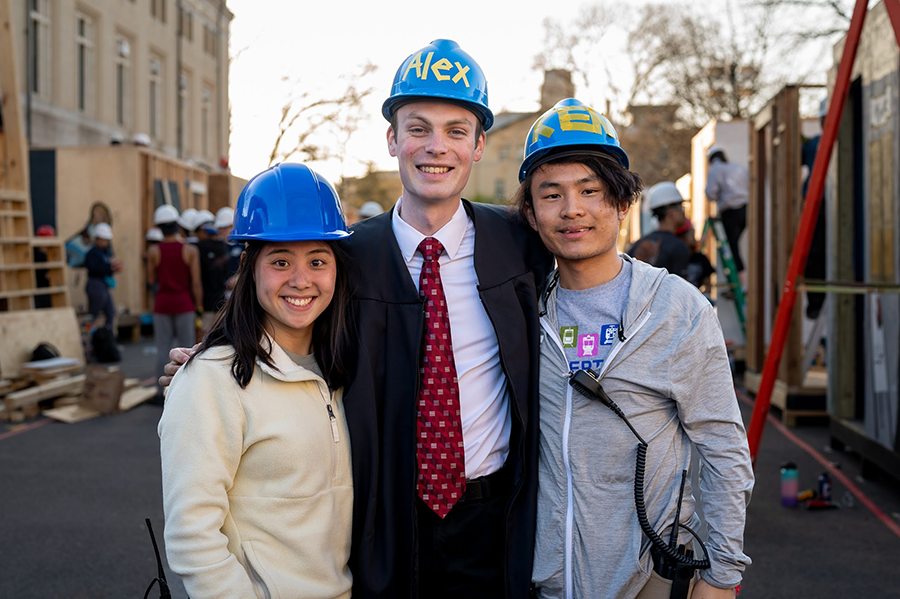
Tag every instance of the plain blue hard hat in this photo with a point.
(572, 127)
(441, 70)
(288, 202)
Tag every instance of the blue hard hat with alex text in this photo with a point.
(442, 71)
(570, 126)
(288, 202)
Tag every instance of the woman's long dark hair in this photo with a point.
(240, 323)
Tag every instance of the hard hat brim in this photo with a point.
(563, 151)
(392, 104)
(333, 236)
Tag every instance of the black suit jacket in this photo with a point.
(380, 399)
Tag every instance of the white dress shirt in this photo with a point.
(483, 389)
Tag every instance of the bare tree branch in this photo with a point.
(339, 115)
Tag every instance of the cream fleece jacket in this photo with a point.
(257, 484)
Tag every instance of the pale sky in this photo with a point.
(288, 46)
(315, 42)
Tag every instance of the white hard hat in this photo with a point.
(663, 194)
(224, 217)
(203, 217)
(714, 149)
(823, 108)
(154, 234)
(370, 209)
(186, 220)
(141, 139)
(165, 214)
(102, 231)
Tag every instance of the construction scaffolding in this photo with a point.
(32, 269)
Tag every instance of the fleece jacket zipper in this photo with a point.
(567, 425)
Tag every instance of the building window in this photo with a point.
(504, 152)
(39, 11)
(209, 40)
(184, 94)
(123, 81)
(499, 189)
(205, 112)
(156, 97)
(158, 10)
(186, 24)
(84, 43)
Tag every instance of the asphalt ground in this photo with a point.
(73, 499)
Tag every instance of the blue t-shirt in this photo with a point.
(589, 320)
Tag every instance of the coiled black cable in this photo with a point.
(587, 383)
(658, 543)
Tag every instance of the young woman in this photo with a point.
(255, 450)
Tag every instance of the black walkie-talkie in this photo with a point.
(161, 574)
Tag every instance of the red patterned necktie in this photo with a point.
(442, 460)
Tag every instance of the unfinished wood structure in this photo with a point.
(773, 215)
(864, 253)
(21, 272)
(130, 182)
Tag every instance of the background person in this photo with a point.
(370, 209)
(668, 252)
(255, 450)
(186, 224)
(214, 256)
(728, 185)
(173, 266)
(100, 267)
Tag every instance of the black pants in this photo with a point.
(100, 300)
(734, 220)
(463, 555)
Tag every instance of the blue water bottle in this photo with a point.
(789, 484)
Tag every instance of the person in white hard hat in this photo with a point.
(154, 235)
(224, 224)
(662, 248)
(213, 268)
(100, 268)
(186, 223)
(370, 209)
(728, 185)
(174, 266)
(224, 221)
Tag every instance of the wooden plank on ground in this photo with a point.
(32, 395)
(71, 414)
(22, 331)
(135, 397)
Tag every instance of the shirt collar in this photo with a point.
(450, 235)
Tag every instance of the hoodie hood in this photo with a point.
(285, 369)
(645, 283)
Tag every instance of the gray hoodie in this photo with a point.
(671, 378)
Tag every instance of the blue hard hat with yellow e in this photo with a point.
(569, 128)
(441, 71)
(288, 202)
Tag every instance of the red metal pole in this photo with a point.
(893, 10)
(805, 233)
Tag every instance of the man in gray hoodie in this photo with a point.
(657, 348)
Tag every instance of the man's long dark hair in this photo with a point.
(240, 323)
